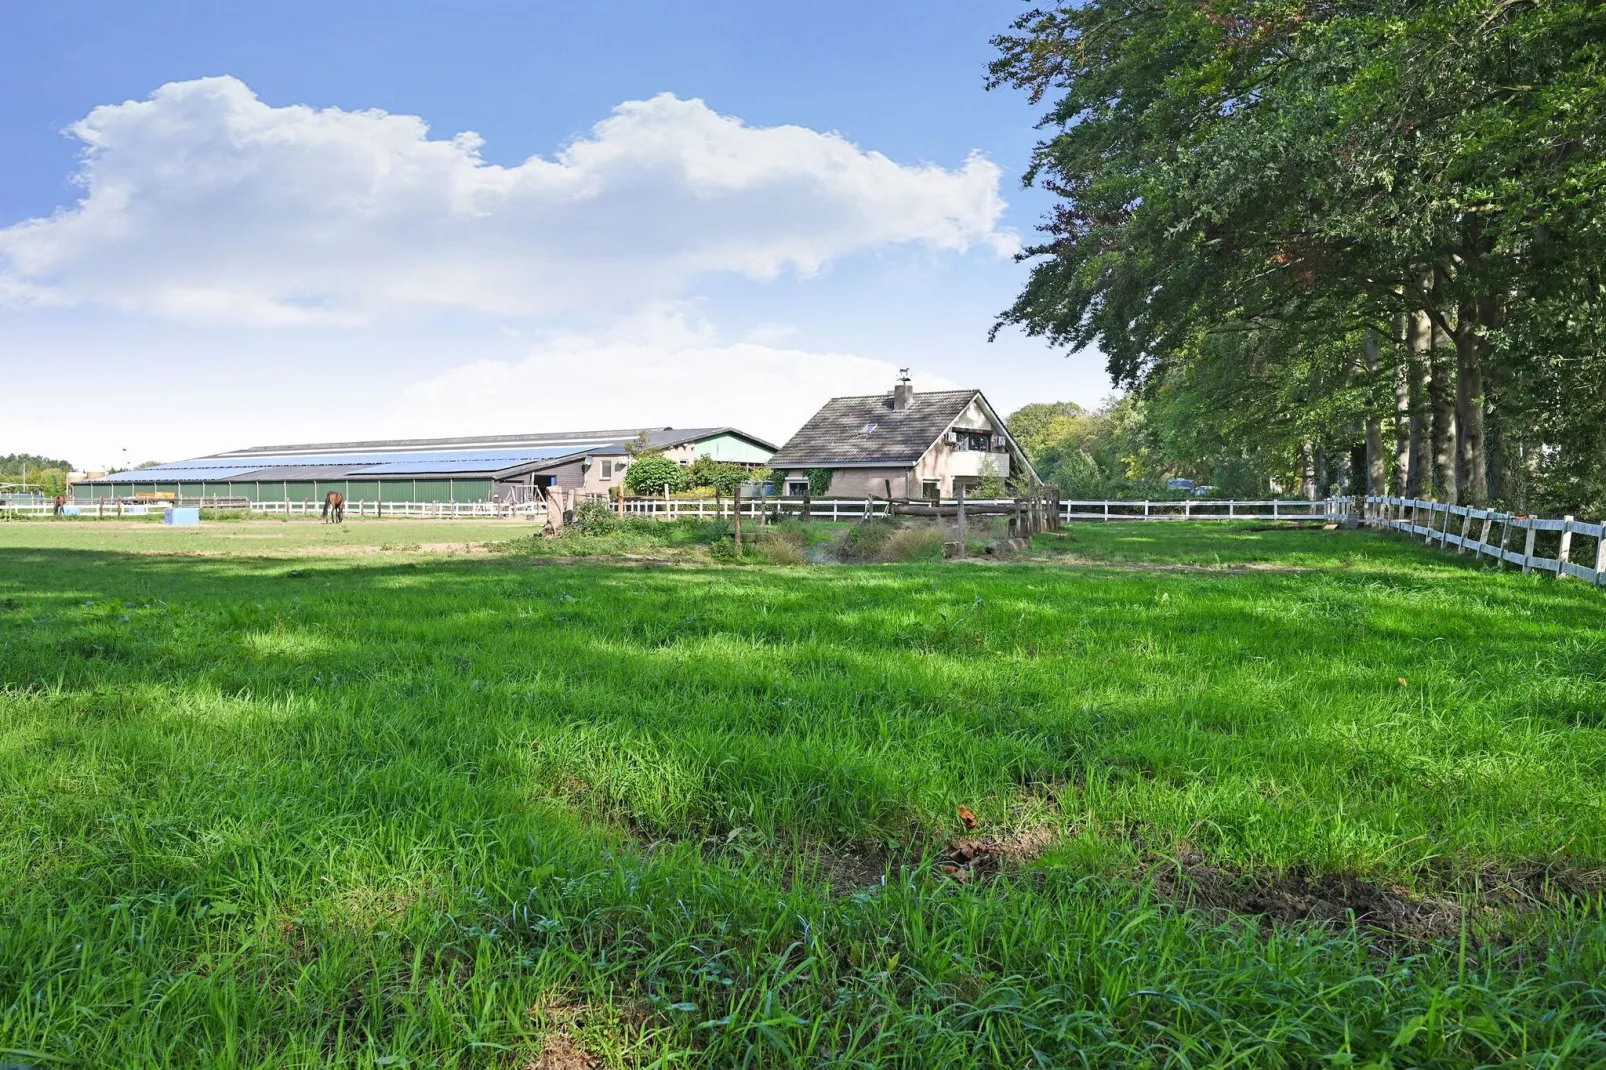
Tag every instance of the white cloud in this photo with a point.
(202, 203)
(665, 362)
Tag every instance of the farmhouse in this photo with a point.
(903, 445)
(504, 468)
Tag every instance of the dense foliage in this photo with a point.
(1358, 241)
(654, 475)
(45, 475)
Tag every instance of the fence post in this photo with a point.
(1566, 547)
(1600, 554)
(1466, 526)
(959, 498)
(1528, 545)
(1483, 533)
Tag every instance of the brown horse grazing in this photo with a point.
(334, 508)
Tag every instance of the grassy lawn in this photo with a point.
(1314, 799)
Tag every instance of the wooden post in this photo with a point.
(1483, 533)
(1600, 554)
(1466, 526)
(736, 501)
(1528, 545)
(959, 497)
(1566, 547)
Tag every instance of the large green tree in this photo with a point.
(1370, 225)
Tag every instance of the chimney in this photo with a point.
(904, 392)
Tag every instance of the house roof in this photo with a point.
(868, 430)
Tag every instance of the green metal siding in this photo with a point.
(728, 447)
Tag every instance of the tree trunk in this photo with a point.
(1441, 397)
(1472, 466)
(1307, 471)
(1419, 479)
(1402, 407)
(1376, 465)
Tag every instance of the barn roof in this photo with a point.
(471, 457)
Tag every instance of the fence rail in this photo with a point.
(1329, 509)
(111, 509)
(1434, 522)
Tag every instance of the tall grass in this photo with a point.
(365, 811)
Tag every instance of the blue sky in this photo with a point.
(224, 225)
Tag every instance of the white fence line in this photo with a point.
(108, 509)
(1328, 509)
(1434, 522)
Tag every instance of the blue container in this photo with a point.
(183, 518)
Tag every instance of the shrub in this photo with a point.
(782, 548)
(865, 539)
(723, 550)
(913, 544)
(651, 475)
(594, 517)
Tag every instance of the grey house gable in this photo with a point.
(868, 431)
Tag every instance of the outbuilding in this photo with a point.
(504, 468)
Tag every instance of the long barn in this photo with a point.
(481, 469)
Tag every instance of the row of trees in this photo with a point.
(46, 475)
(1347, 242)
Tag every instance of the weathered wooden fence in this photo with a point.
(1472, 530)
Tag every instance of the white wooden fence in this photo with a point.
(1329, 509)
(1453, 525)
(110, 509)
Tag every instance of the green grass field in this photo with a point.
(1247, 797)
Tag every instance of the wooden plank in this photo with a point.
(1565, 553)
(1528, 546)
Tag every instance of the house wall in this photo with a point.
(943, 462)
(275, 490)
(862, 482)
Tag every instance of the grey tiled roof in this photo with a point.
(838, 435)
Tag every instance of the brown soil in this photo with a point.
(1299, 895)
(970, 857)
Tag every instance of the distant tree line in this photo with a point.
(1355, 245)
(46, 475)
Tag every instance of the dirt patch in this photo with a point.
(846, 871)
(971, 857)
(1159, 566)
(1300, 895)
(561, 1048)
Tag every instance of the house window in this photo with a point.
(797, 488)
(930, 489)
(977, 441)
(607, 469)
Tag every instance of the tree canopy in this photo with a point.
(1360, 237)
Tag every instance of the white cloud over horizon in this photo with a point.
(204, 204)
(634, 372)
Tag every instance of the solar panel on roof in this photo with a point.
(397, 462)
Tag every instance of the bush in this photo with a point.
(782, 548)
(594, 517)
(913, 544)
(865, 539)
(652, 475)
(723, 550)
